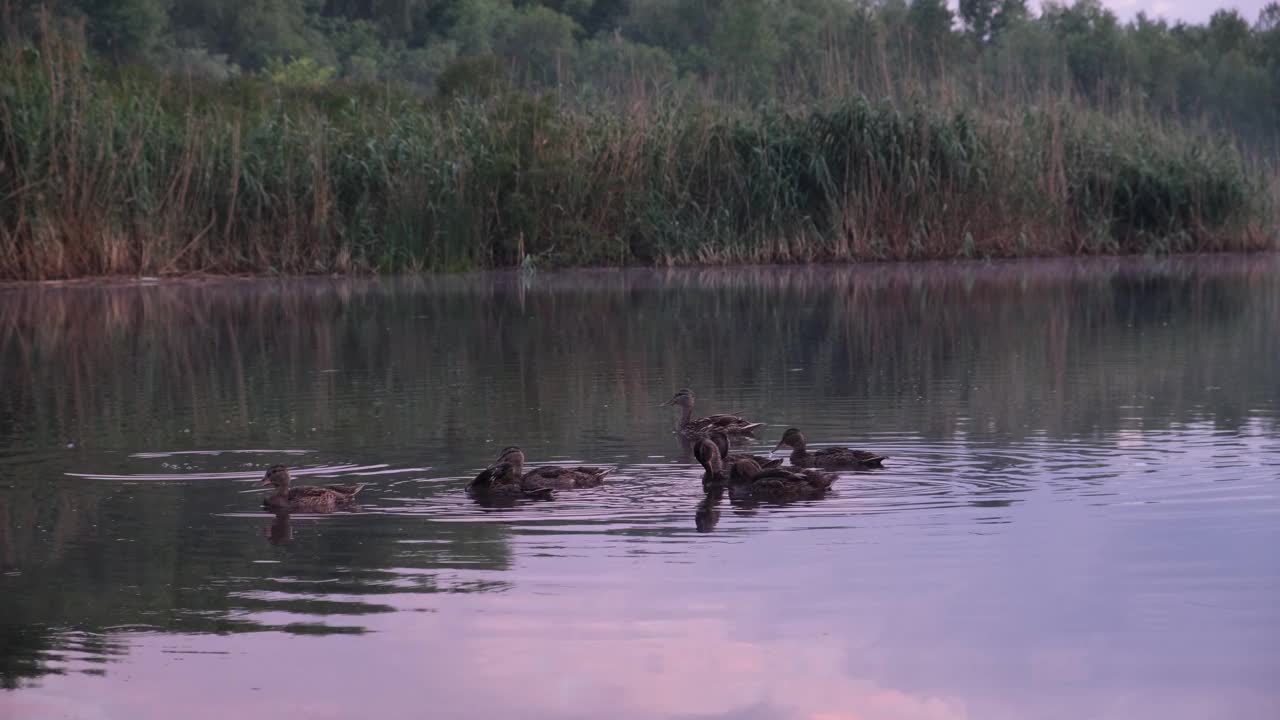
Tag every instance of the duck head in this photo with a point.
(791, 438)
(277, 475)
(512, 456)
(682, 399)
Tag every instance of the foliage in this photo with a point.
(299, 72)
(1225, 72)
(116, 172)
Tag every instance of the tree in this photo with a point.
(744, 42)
(1228, 31)
(124, 29)
(1091, 37)
(931, 22)
(605, 16)
(1268, 19)
(539, 40)
(1011, 13)
(978, 16)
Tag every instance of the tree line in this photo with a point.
(1225, 73)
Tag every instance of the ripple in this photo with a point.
(176, 453)
(320, 471)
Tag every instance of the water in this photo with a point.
(1080, 517)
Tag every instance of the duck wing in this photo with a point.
(303, 493)
(846, 456)
(495, 475)
(743, 469)
(817, 479)
(563, 478)
(725, 423)
(589, 476)
(761, 460)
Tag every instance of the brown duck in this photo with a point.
(502, 478)
(690, 426)
(506, 476)
(831, 457)
(782, 485)
(746, 478)
(715, 474)
(305, 498)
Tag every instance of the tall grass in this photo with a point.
(106, 172)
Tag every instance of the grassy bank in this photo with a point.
(118, 172)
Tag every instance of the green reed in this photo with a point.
(119, 171)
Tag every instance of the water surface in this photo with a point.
(1080, 517)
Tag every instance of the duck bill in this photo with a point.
(776, 449)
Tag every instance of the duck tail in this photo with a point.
(358, 488)
(750, 427)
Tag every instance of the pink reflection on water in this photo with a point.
(479, 663)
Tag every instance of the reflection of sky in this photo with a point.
(1149, 596)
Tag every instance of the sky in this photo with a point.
(1197, 11)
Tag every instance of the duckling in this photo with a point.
(305, 498)
(689, 426)
(832, 457)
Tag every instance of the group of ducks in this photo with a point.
(743, 475)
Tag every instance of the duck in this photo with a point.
(501, 479)
(746, 478)
(506, 476)
(782, 485)
(830, 457)
(689, 426)
(306, 498)
(708, 455)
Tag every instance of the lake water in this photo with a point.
(1080, 517)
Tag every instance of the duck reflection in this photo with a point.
(281, 531)
(707, 516)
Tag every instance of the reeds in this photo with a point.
(126, 173)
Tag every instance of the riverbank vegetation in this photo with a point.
(140, 136)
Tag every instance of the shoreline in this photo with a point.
(1054, 263)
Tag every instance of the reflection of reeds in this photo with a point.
(87, 362)
(131, 175)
